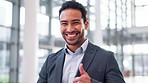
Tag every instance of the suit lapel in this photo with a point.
(59, 67)
(88, 57)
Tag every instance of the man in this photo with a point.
(80, 61)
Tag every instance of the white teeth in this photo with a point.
(69, 35)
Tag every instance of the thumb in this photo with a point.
(81, 69)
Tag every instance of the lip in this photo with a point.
(71, 36)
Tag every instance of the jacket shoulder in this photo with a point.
(99, 49)
(51, 59)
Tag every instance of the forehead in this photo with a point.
(70, 14)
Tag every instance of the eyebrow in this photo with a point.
(76, 20)
(71, 20)
(63, 21)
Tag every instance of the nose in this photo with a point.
(70, 28)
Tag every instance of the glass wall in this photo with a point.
(5, 37)
(129, 47)
(141, 12)
(115, 19)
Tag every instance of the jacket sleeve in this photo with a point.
(43, 73)
(112, 73)
(95, 81)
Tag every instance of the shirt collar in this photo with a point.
(81, 49)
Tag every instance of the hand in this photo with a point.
(84, 78)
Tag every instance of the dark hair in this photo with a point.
(74, 5)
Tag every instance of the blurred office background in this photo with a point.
(30, 30)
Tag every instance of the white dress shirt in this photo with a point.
(72, 62)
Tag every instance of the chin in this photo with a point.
(72, 43)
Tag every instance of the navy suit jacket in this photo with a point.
(100, 65)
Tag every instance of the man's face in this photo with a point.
(72, 26)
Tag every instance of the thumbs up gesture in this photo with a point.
(84, 77)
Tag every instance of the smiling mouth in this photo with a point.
(71, 35)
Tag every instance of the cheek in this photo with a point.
(62, 29)
(79, 27)
(82, 29)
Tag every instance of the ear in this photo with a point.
(86, 25)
